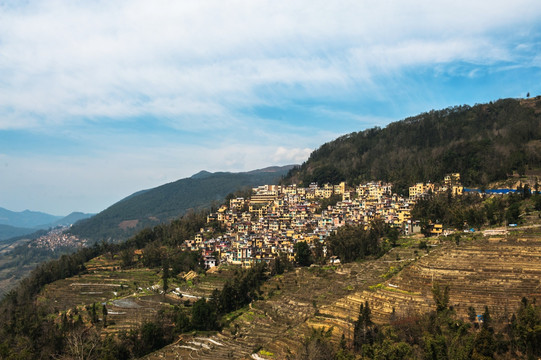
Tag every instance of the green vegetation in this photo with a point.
(352, 243)
(471, 211)
(484, 143)
(303, 255)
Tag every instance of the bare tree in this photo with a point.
(81, 343)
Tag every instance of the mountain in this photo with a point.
(163, 203)
(71, 219)
(26, 218)
(485, 143)
(8, 232)
(15, 224)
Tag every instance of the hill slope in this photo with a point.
(169, 201)
(8, 232)
(484, 143)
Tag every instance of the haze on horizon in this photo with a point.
(101, 99)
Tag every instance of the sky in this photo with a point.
(100, 99)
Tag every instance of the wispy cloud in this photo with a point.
(65, 59)
(239, 84)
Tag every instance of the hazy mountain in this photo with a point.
(15, 224)
(161, 204)
(71, 219)
(26, 218)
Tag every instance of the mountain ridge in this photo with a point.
(484, 142)
(15, 224)
(171, 200)
(26, 218)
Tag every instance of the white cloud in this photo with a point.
(284, 155)
(65, 59)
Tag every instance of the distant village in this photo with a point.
(274, 218)
(57, 238)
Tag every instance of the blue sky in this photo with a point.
(100, 99)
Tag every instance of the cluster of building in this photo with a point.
(56, 239)
(451, 183)
(275, 217)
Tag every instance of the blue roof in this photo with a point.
(493, 191)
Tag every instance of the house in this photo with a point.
(436, 229)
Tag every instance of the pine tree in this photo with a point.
(165, 275)
(104, 313)
(363, 331)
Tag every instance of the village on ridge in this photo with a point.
(275, 217)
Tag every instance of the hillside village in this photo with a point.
(275, 217)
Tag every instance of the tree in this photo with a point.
(472, 314)
(350, 243)
(182, 322)
(526, 191)
(319, 255)
(93, 314)
(82, 342)
(165, 275)
(303, 255)
(440, 296)
(151, 338)
(528, 328)
(104, 314)
(484, 345)
(363, 332)
(126, 256)
(204, 316)
(392, 235)
(318, 346)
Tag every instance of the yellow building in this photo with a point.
(420, 189)
(437, 229)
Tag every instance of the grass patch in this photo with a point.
(393, 270)
(393, 289)
(248, 316)
(376, 287)
(266, 353)
(235, 314)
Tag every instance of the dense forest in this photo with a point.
(484, 143)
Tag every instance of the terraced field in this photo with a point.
(131, 296)
(496, 272)
(127, 294)
(277, 323)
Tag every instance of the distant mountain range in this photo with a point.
(161, 204)
(13, 224)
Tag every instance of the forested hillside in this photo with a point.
(170, 201)
(485, 143)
